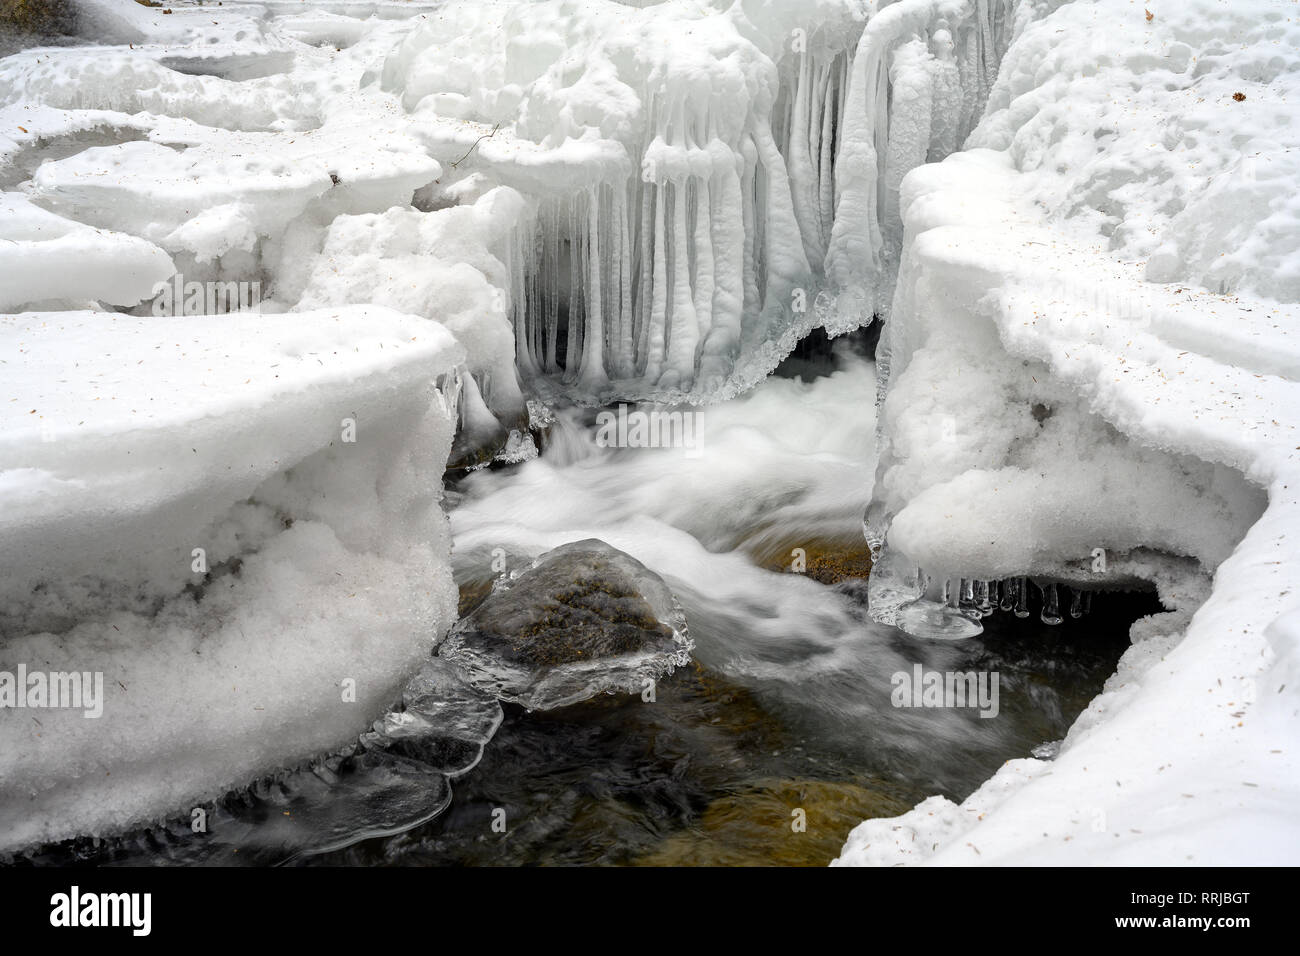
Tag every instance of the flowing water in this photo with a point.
(788, 705)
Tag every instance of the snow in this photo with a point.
(1052, 264)
(111, 267)
(438, 264)
(253, 149)
(131, 441)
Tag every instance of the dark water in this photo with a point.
(710, 773)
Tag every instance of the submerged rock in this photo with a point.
(777, 823)
(828, 559)
(583, 619)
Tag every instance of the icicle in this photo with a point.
(574, 319)
(911, 102)
(981, 598)
(1022, 597)
(967, 602)
(826, 144)
(803, 187)
(1076, 603)
(644, 291)
(704, 266)
(625, 356)
(946, 118)
(592, 372)
(684, 329)
(1010, 588)
(520, 304)
(657, 329)
(749, 213)
(1086, 608)
(1051, 613)
(786, 265)
(993, 595)
(722, 344)
(551, 288)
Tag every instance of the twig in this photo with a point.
(475, 143)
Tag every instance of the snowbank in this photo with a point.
(235, 519)
(438, 264)
(1058, 380)
(254, 145)
(36, 247)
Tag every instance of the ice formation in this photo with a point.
(112, 268)
(581, 620)
(1088, 378)
(185, 515)
(700, 206)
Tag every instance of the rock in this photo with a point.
(828, 560)
(583, 619)
(45, 17)
(756, 827)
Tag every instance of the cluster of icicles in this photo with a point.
(905, 596)
(978, 598)
(693, 278)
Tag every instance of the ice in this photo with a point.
(581, 620)
(36, 246)
(1087, 377)
(883, 137)
(438, 699)
(1010, 594)
(397, 776)
(251, 148)
(936, 622)
(325, 576)
(694, 199)
(1051, 612)
(442, 265)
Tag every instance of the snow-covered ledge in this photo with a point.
(1188, 756)
(234, 521)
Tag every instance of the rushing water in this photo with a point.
(786, 712)
(788, 706)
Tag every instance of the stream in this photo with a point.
(787, 706)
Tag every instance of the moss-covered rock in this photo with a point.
(827, 560)
(43, 17)
(780, 823)
(583, 618)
